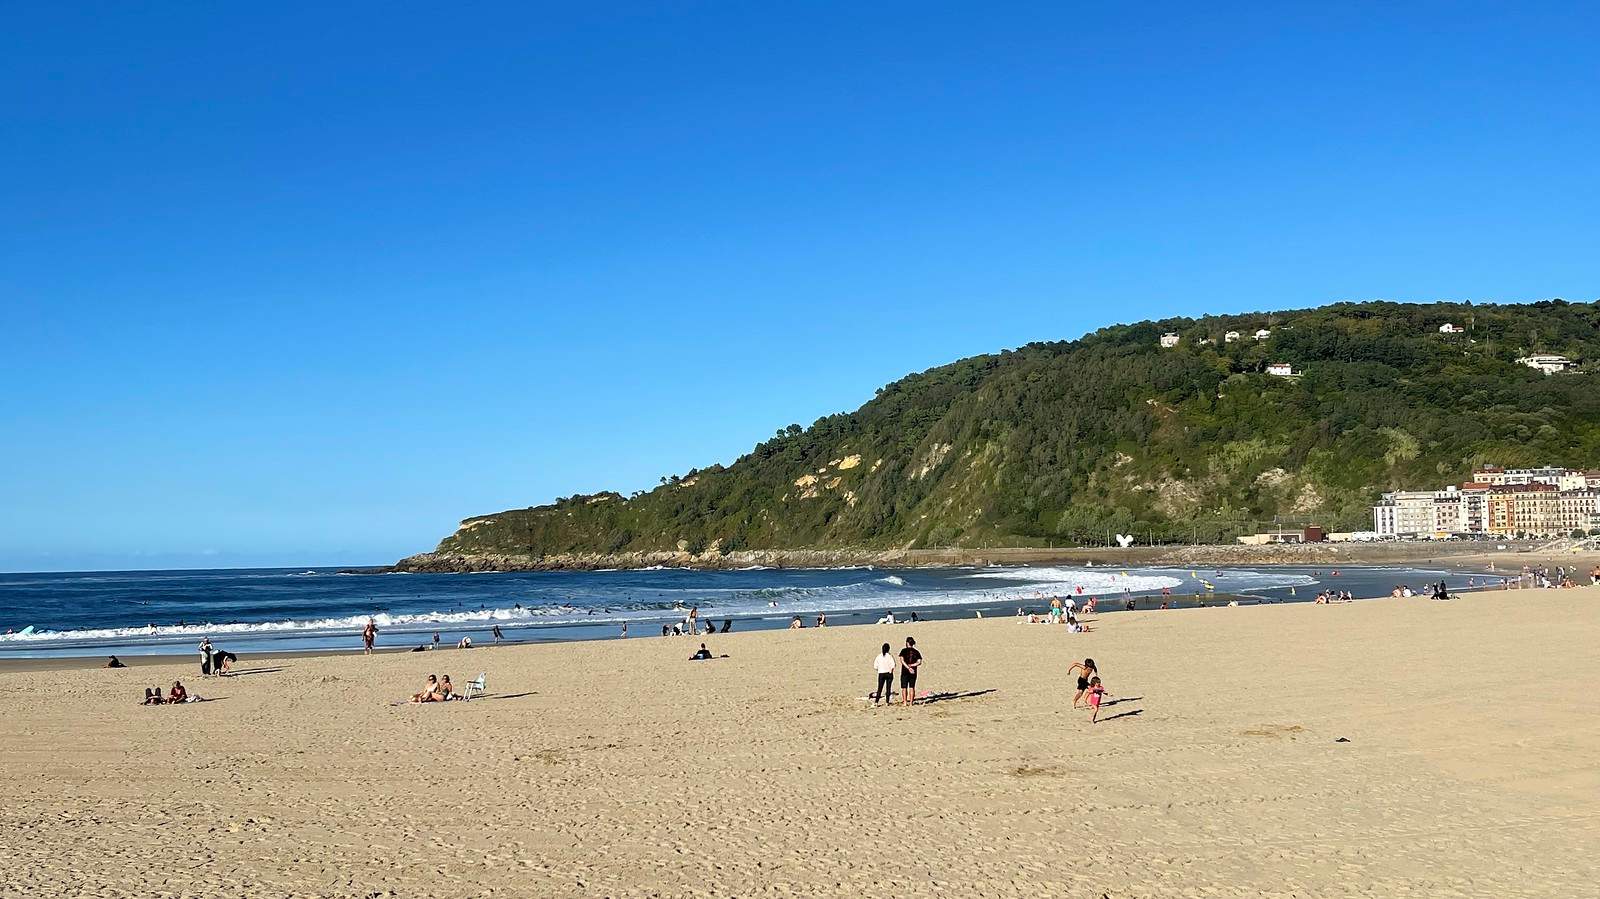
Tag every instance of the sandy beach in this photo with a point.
(622, 769)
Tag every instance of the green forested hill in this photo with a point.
(1063, 442)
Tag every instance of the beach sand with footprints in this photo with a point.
(1386, 748)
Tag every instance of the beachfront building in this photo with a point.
(1447, 513)
(1559, 478)
(1549, 363)
(1503, 502)
(1169, 340)
(1230, 337)
(1475, 508)
(1526, 510)
(1577, 511)
(1404, 513)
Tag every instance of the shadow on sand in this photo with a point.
(947, 696)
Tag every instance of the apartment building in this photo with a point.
(1529, 510)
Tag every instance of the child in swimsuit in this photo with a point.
(1095, 693)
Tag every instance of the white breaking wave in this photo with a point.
(1092, 581)
(347, 623)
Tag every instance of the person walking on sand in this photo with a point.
(1085, 670)
(910, 662)
(369, 635)
(884, 666)
(1096, 693)
(495, 632)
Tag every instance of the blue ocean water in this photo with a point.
(261, 610)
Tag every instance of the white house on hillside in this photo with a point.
(1169, 340)
(1281, 369)
(1448, 328)
(1263, 334)
(1230, 337)
(1549, 363)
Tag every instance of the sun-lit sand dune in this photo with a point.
(1472, 766)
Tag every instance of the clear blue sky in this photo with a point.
(293, 285)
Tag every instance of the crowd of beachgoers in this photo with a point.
(1064, 611)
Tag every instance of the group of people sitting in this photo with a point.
(689, 627)
(1432, 591)
(438, 689)
(888, 618)
(177, 693)
(1063, 612)
(1330, 596)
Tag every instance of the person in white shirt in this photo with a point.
(884, 665)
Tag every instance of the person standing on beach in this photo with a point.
(495, 632)
(884, 666)
(694, 620)
(369, 635)
(205, 656)
(910, 662)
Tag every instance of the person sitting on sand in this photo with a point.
(177, 693)
(822, 619)
(464, 643)
(152, 696)
(1096, 693)
(795, 623)
(427, 693)
(115, 662)
(447, 690)
(701, 655)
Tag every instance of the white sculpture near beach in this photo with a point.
(1124, 540)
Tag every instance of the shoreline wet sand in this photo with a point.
(620, 768)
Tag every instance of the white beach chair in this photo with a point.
(476, 687)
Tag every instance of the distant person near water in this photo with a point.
(369, 635)
(495, 632)
(910, 663)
